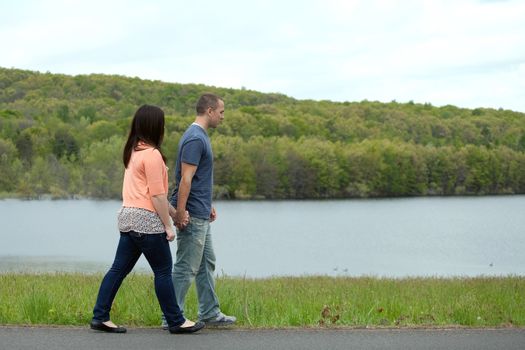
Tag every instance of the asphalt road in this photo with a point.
(304, 339)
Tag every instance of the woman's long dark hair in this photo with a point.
(147, 126)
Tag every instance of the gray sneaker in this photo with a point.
(164, 323)
(221, 320)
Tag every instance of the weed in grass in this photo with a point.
(329, 317)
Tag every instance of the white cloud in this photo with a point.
(468, 53)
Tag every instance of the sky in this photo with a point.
(467, 53)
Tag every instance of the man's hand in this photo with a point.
(213, 214)
(173, 214)
(181, 219)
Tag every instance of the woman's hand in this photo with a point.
(170, 234)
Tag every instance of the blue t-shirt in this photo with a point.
(195, 149)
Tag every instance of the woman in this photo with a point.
(144, 224)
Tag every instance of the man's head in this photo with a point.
(211, 107)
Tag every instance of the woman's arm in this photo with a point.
(161, 205)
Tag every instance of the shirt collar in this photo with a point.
(200, 126)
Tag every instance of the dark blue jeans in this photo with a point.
(155, 248)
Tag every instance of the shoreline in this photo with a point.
(50, 197)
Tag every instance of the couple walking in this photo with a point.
(146, 228)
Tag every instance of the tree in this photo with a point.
(24, 144)
(65, 144)
(10, 166)
(103, 168)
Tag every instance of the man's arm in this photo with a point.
(187, 173)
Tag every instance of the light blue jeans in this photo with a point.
(196, 260)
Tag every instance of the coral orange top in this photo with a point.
(145, 176)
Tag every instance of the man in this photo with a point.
(193, 193)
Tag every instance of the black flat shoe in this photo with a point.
(99, 326)
(179, 330)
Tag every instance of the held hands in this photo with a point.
(181, 219)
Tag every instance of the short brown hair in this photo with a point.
(206, 101)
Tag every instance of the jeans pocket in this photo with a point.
(195, 231)
(186, 231)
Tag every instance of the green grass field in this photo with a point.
(68, 299)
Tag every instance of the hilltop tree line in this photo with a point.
(63, 136)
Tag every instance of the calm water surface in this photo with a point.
(385, 237)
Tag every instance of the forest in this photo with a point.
(62, 137)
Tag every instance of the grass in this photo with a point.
(68, 299)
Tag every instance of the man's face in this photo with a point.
(216, 115)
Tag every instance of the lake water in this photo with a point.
(453, 236)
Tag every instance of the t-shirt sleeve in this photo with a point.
(154, 169)
(192, 152)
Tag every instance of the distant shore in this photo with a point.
(47, 197)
